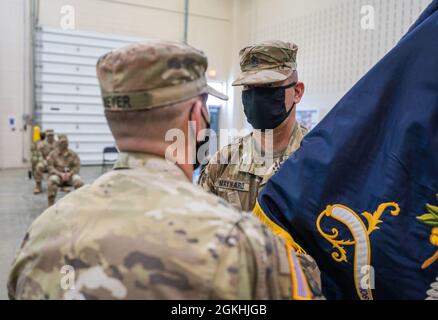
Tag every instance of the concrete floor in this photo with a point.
(18, 209)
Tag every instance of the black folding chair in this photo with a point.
(105, 160)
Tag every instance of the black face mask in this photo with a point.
(265, 107)
(200, 144)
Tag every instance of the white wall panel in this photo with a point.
(48, 108)
(49, 78)
(45, 96)
(69, 89)
(334, 51)
(89, 129)
(64, 69)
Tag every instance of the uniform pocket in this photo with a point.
(232, 197)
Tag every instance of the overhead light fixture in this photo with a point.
(212, 73)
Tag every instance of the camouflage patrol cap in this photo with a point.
(152, 74)
(62, 136)
(50, 132)
(267, 62)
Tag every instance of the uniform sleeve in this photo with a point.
(39, 148)
(206, 179)
(76, 167)
(210, 174)
(40, 156)
(38, 145)
(214, 169)
(43, 150)
(51, 168)
(36, 152)
(21, 284)
(261, 266)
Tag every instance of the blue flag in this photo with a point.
(359, 196)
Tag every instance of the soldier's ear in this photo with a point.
(199, 113)
(299, 92)
(197, 116)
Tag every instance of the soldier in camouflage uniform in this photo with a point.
(64, 166)
(44, 148)
(144, 230)
(240, 170)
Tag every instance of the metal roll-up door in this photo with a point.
(66, 88)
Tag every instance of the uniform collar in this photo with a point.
(251, 162)
(155, 164)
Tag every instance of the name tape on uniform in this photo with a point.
(232, 185)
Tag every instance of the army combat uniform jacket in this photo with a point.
(60, 162)
(237, 174)
(144, 231)
(46, 148)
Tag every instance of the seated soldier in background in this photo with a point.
(64, 166)
(43, 149)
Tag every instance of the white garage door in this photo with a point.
(67, 92)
